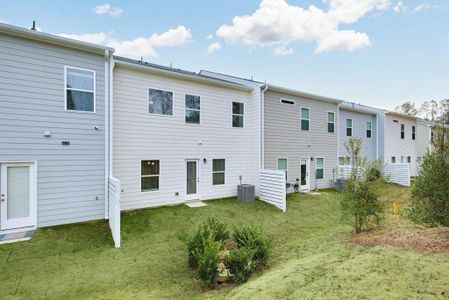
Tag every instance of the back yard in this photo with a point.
(314, 256)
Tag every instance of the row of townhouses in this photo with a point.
(73, 115)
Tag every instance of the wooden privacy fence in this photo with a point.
(114, 191)
(398, 173)
(272, 188)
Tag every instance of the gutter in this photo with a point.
(263, 88)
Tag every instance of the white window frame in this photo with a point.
(327, 121)
(402, 131)
(241, 115)
(140, 175)
(316, 168)
(413, 132)
(224, 172)
(352, 127)
(300, 118)
(185, 109)
(370, 129)
(277, 166)
(72, 89)
(147, 108)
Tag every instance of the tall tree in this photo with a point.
(408, 108)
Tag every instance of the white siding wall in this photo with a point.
(142, 136)
(359, 121)
(422, 139)
(70, 181)
(284, 138)
(395, 146)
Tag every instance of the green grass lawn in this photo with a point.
(312, 257)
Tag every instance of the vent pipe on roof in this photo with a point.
(34, 26)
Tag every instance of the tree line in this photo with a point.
(435, 111)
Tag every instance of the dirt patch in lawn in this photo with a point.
(404, 235)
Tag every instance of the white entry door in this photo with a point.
(18, 195)
(305, 172)
(192, 180)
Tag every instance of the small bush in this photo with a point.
(252, 238)
(195, 243)
(240, 263)
(207, 258)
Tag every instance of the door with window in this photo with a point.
(304, 168)
(192, 180)
(18, 195)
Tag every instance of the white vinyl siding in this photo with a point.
(70, 179)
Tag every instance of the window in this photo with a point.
(149, 175)
(237, 114)
(160, 102)
(413, 132)
(331, 122)
(348, 127)
(79, 89)
(290, 102)
(192, 104)
(218, 171)
(283, 166)
(409, 159)
(402, 131)
(319, 168)
(344, 160)
(419, 159)
(305, 119)
(393, 159)
(369, 126)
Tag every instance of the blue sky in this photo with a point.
(375, 52)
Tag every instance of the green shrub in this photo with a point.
(430, 194)
(207, 258)
(195, 243)
(251, 237)
(218, 229)
(240, 264)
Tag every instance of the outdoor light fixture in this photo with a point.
(205, 160)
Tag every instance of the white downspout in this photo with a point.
(377, 136)
(262, 126)
(106, 134)
(111, 113)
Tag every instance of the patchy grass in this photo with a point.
(312, 257)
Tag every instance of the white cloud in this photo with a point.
(282, 50)
(106, 9)
(209, 36)
(140, 46)
(213, 47)
(400, 7)
(277, 23)
(424, 6)
(3, 21)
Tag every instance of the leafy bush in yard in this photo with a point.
(241, 264)
(195, 243)
(207, 258)
(252, 238)
(430, 195)
(361, 206)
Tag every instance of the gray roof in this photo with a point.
(51, 38)
(179, 72)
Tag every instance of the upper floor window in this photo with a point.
(160, 102)
(409, 159)
(149, 175)
(283, 166)
(237, 114)
(319, 168)
(192, 105)
(369, 126)
(305, 119)
(344, 160)
(413, 132)
(331, 122)
(402, 131)
(393, 159)
(348, 127)
(79, 89)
